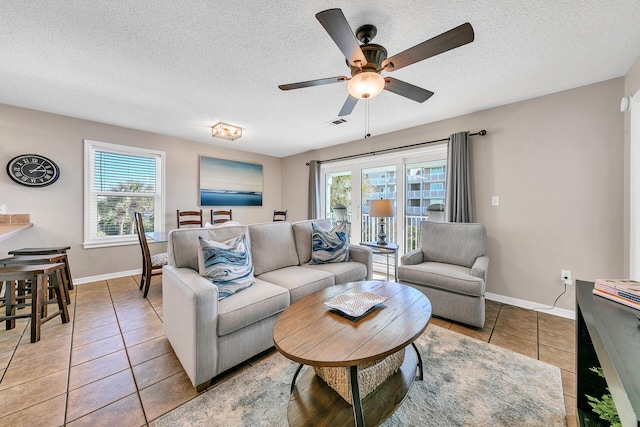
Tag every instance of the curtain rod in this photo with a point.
(404, 147)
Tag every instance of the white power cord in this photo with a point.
(566, 282)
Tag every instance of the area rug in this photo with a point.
(466, 383)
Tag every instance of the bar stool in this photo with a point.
(41, 277)
(49, 251)
(43, 259)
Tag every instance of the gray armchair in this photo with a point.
(450, 268)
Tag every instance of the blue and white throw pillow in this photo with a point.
(329, 245)
(227, 264)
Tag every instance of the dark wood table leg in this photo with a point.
(67, 271)
(36, 302)
(355, 397)
(419, 374)
(10, 302)
(59, 288)
(293, 381)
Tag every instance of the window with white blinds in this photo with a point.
(119, 181)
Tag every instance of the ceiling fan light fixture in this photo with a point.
(366, 84)
(226, 131)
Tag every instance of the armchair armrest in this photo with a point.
(364, 255)
(480, 267)
(412, 258)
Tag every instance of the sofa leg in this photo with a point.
(202, 387)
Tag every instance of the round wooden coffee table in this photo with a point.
(311, 334)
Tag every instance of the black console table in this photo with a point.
(607, 335)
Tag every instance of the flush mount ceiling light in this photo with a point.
(226, 131)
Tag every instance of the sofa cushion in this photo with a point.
(329, 245)
(272, 246)
(452, 243)
(448, 277)
(344, 272)
(226, 264)
(255, 303)
(300, 281)
(302, 233)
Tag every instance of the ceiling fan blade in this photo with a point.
(310, 83)
(453, 38)
(348, 106)
(407, 89)
(336, 25)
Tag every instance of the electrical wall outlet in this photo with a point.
(565, 276)
(3, 209)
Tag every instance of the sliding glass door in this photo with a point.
(414, 180)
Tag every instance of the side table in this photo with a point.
(388, 249)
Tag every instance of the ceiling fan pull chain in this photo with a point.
(366, 119)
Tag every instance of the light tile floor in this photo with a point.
(112, 365)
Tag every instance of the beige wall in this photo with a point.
(631, 86)
(557, 164)
(57, 210)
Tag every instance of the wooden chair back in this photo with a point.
(226, 214)
(148, 269)
(190, 218)
(280, 215)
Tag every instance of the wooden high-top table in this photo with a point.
(311, 334)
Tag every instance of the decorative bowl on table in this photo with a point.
(355, 303)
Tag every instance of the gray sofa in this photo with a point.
(211, 336)
(450, 268)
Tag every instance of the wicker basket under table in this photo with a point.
(370, 375)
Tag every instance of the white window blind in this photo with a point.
(119, 181)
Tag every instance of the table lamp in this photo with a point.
(381, 209)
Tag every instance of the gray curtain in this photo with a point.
(313, 210)
(458, 204)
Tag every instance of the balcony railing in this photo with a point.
(411, 230)
(382, 195)
(381, 181)
(434, 177)
(426, 194)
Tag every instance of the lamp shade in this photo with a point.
(366, 84)
(381, 208)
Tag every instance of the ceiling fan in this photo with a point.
(368, 60)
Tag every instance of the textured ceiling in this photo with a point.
(178, 67)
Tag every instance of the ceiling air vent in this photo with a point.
(337, 122)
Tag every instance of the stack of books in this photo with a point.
(624, 291)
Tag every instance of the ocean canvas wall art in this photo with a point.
(229, 183)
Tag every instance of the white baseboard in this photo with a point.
(561, 312)
(90, 279)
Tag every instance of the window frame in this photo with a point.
(90, 194)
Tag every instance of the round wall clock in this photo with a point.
(33, 170)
